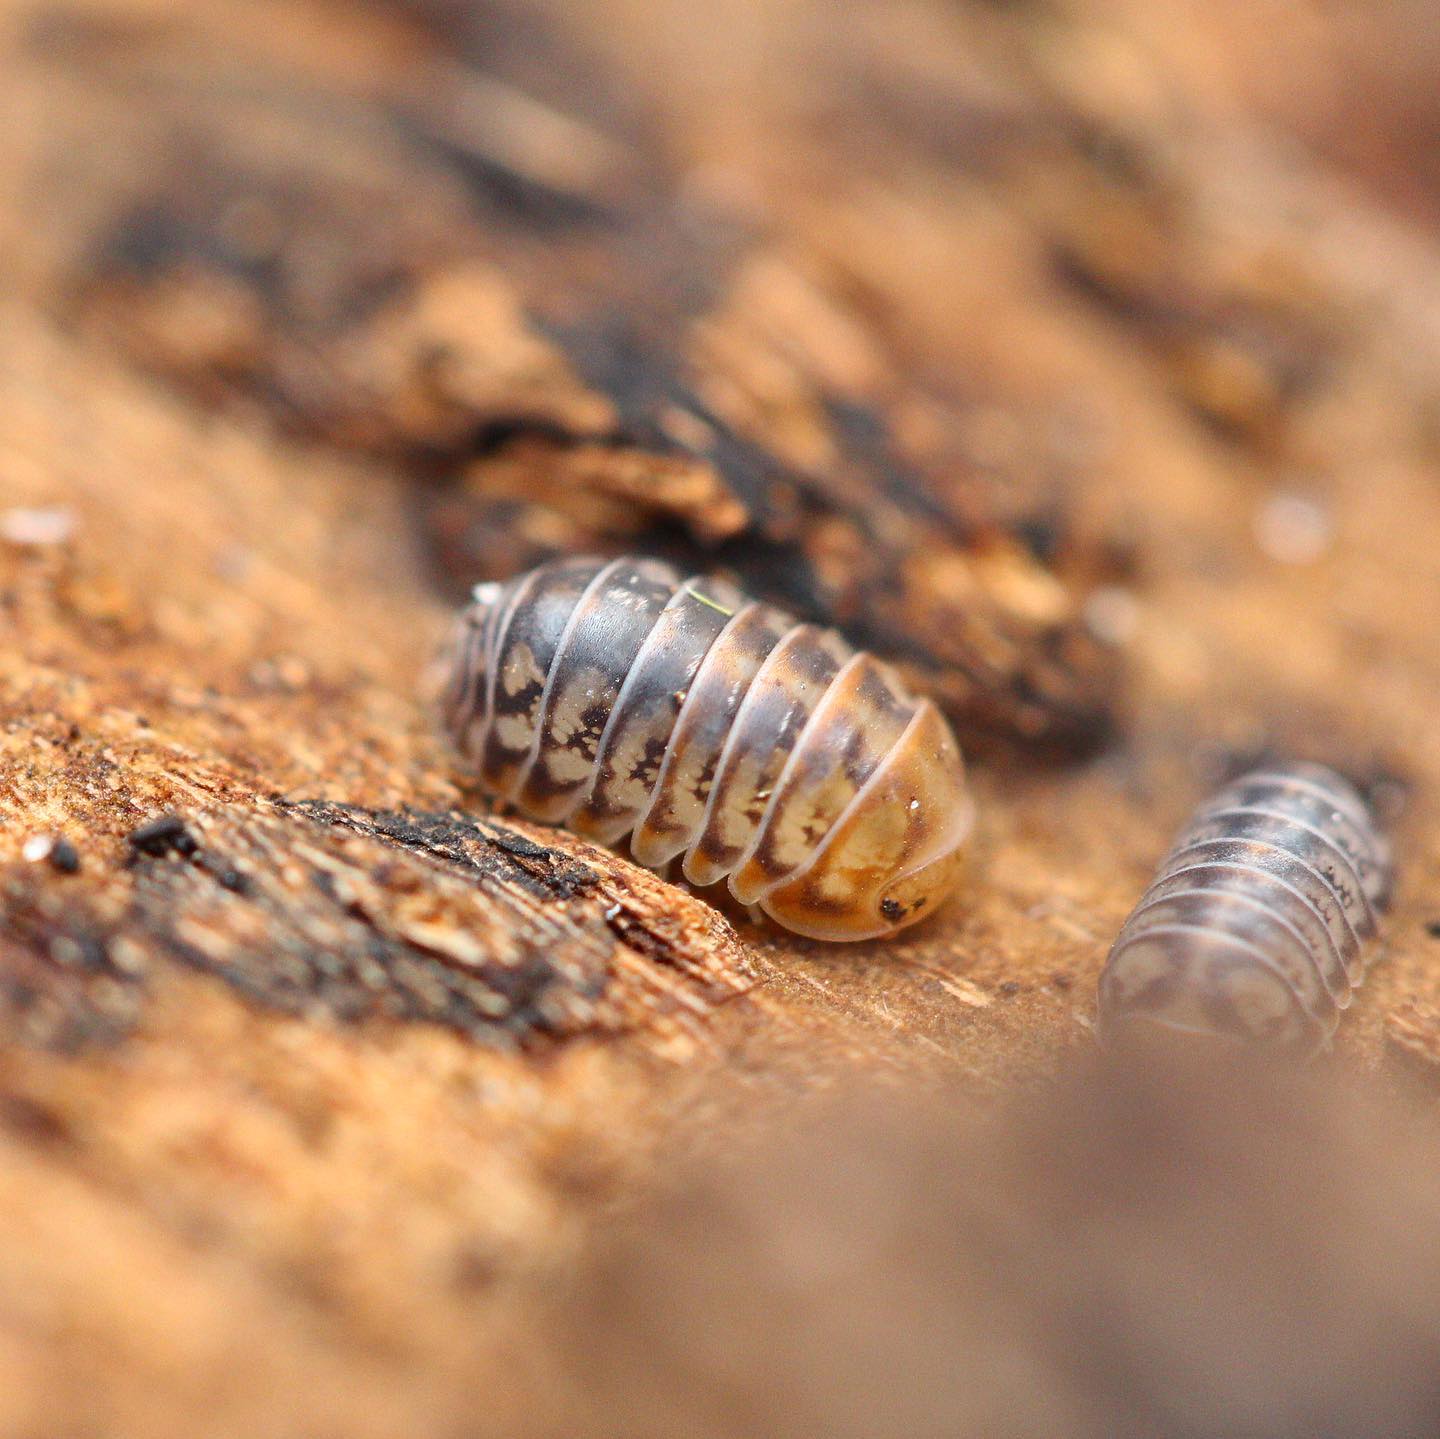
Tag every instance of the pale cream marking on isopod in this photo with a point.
(521, 671)
(597, 585)
(513, 730)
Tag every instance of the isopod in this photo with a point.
(1257, 924)
(618, 698)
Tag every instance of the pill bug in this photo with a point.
(1256, 926)
(618, 698)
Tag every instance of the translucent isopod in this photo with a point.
(1256, 927)
(619, 699)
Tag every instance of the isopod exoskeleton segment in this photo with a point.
(1257, 925)
(619, 699)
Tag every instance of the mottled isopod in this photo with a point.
(618, 699)
(1256, 926)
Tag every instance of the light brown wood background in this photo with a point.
(1085, 359)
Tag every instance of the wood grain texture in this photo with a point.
(1029, 346)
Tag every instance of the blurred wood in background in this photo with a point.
(1083, 359)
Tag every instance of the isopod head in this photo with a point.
(897, 851)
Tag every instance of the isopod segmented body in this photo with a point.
(1257, 924)
(619, 699)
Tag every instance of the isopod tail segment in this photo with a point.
(1258, 926)
(620, 699)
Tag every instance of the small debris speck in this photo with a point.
(1294, 529)
(37, 529)
(54, 849)
(1112, 615)
(166, 835)
(1433, 929)
(128, 957)
(67, 952)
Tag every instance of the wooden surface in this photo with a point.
(1086, 365)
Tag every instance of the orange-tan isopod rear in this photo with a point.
(620, 699)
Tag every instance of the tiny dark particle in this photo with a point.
(474, 1270)
(34, 1120)
(891, 910)
(1433, 929)
(1010, 989)
(64, 857)
(159, 837)
(1042, 536)
(234, 881)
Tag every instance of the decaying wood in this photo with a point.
(1033, 347)
(618, 365)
